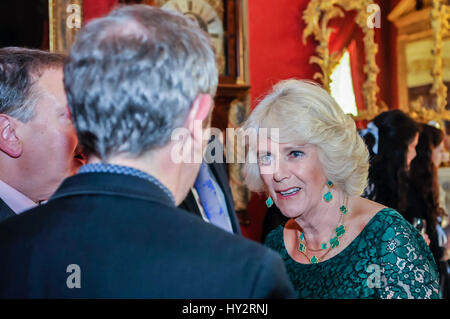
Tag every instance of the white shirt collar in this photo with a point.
(17, 201)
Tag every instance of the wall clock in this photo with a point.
(208, 15)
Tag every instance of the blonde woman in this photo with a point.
(335, 244)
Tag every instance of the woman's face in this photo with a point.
(412, 150)
(295, 181)
(437, 154)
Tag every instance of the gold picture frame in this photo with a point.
(316, 16)
(65, 20)
(429, 30)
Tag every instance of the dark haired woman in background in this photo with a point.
(391, 138)
(423, 194)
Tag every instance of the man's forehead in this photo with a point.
(51, 86)
(51, 78)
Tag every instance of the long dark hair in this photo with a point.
(388, 173)
(423, 173)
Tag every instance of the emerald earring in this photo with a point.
(327, 196)
(269, 202)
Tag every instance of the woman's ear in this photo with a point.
(10, 144)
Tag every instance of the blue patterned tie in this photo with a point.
(208, 190)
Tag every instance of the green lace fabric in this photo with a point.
(388, 259)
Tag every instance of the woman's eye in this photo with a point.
(296, 154)
(265, 159)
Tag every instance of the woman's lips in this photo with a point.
(288, 193)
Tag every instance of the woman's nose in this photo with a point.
(280, 174)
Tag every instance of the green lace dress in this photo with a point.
(388, 259)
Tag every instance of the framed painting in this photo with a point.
(65, 19)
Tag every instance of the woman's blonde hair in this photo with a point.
(305, 113)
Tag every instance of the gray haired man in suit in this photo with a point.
(132, 78)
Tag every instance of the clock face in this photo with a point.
(204, 15)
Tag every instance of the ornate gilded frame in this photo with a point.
(316, 16)
(431, 22)
(440, 24)
(65, 20)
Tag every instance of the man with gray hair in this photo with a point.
(113, 230)
(37, 139)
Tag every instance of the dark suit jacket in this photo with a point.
(5, 211)
(220, 173)
(129, 241)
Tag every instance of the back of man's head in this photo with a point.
(132, 77)
(20, 70)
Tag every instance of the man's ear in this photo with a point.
(201, 107)
(9, 142)
(199, 111)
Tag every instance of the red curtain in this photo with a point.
(97, 8)
(348, 35)
(357, 59)
(344, 28)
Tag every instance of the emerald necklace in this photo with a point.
(338, 232)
